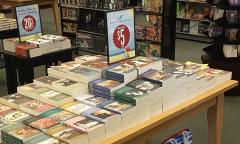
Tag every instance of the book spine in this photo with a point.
(115, 76)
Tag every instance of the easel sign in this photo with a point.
(121, 35)
(29, 22)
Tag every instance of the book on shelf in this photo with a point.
(104, 87)
(68, 135)
(147, 49)
(76, 107)
(13, 100)
(122, 73)
(18, 134)
(127, 111)
(35, 107)
(230, 51)
(83, 75)
(15, 116)
(84, 40)
(111, 120)
(59, 115)
(232, 16)
(41, 123)
(94, 129)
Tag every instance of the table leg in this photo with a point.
(28, 72)
(21, 74)
(215, 120)
(11, 74)
(56, 15)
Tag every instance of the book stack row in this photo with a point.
(37, 47)
(58, 108)
(7, 23)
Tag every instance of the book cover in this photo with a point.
(156, 75)
(47, 79)
(129, 94)
(84, 71)
(144, 85)
(116, 106)
(16, 116)
(41, 123)
(21, 131)
(4, 109)
(54, 95)
(99, 114)
(31, 87)
(37, 106)
(96, 64)
(93, 101)
(16, 98)
(83, 123)
(123, 69)
(107, 83)
(76, 107)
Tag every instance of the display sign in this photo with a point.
(29, 22)
(121, 35)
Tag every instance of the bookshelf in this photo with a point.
(194, 20)
(227, 44)
(92, 35)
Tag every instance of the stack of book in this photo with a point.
(37, 47)
(7, 23)
(104, 87)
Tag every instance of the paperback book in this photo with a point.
(14, 100)
(76, 107)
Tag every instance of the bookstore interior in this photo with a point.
(119, 71)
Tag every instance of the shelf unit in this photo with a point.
(166, 43)
(193, 20)
(227, 45)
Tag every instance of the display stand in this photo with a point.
(211, 100)
(70, 26)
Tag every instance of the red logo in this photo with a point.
(121, 36)
(29, 23)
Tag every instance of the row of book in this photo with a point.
(86, 100)
(37, 47)
(7, 23)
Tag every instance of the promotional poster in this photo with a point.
(29, 22)
(121, 35)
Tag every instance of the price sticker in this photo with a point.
(121, 36)
(28, 23)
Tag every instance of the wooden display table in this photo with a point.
(20, 70)
(53, 3)
(211, 100)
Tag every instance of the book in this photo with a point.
(91, 100)
(24, 50)
(41, 123)
(87, 58)
(59, 115)
(44, 139)
(104, 87)
(172, 64)
(111, 120)
(68, 135)
(127, 111)
(59, 71)
(94, 129)
(5, 109)
(31, 90)
(18, 134)
(14, 100)
(10, 44)
(96, 65)
(83, 75)
(123, 73)
(144, 85)
(15, 116)
(84, 40)
(3, 124)
(45, 81)
(35, 107)
(158, 76)
(76, 107)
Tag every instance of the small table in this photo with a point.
(21, 70)
(211, 100)
(53, 3)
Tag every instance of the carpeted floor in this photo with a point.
(185, 50)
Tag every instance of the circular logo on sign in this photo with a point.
(121, 36)
(29, 23)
